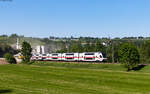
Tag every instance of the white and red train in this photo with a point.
(86, 56)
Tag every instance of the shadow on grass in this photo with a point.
(5, 91)
(139, 67)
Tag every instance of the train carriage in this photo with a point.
(39, 57)
(56, 56)
(70, 56)
(44, 56)
(93, 56)
(49, 57)
(81, 57)
(34, 57)
(86, 56)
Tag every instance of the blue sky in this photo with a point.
(64, 18)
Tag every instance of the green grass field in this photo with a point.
(65, 78)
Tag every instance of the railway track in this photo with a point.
(83, 62)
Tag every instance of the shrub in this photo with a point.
(9, 58)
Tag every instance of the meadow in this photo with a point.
(69, 78)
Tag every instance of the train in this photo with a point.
(85, 56)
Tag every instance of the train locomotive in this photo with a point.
(86, 56)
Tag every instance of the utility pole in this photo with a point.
(112, 43)
(17, 44)
(68, 46)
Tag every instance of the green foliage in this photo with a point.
(145, 52)
(83, 44)
(76, 47)
(4, 48)
(109, 53)
(116, 52)
(62, 51)
(129, 56)
(87, 48)
(94, 47)
(9, 58)
(26, 52)
(99, 47)
(14, 36)
(112, 50)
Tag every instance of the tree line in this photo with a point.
(111, 48)
(89, 44)
(127, 52)
(5, 48)
(79, 47)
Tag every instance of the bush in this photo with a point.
(9, 58)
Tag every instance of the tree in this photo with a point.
(4, 48)
(129, 56)
(9, 58)
(26, 52)
(76, 47)
(14, 36)
(116, 51)
(145, 52)
(99, 47)
(93, 47)
(87, 47)
(112, 51)
(62, 51)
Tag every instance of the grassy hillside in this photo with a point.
(12, 40)
(52, 45)
(66, 79)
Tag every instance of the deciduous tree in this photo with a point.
(129, 56)
(26, 52)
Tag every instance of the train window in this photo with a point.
(104, 55)
(89, 53)
(88, 58)
(54, 54)
(69, 58)
(44, 54)
(69, 54)
(100, 56)
(54, 58)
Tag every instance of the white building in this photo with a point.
(40, 49)
(43, 49)
(18, 46)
